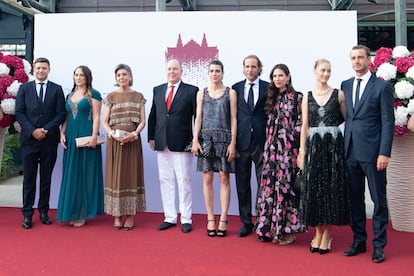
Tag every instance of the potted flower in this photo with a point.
(13, 72)
(397, 67)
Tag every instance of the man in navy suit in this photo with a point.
(170, 130)
(40, 110)
(251, 125)
(369, 133)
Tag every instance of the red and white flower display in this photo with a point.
(13, 72)
(397, 67)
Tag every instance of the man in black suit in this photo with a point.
(251, 124)
(170, 130)
(369, 133)
(40, 110)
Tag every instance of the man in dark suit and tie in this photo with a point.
(170, 130)
(369, 133)
(251, 124)
(40, 110)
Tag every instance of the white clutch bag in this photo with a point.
(121, 133)
(82, 141)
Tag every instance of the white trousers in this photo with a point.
(174, 166)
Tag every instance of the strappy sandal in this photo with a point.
(211, 232)
(222, 233)
(287, 239)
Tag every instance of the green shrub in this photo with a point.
(11, 155)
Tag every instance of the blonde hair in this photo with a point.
(320, 61)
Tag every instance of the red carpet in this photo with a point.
(97, 249)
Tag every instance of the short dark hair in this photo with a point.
(217, 62)
(41, 59)
(362, 47)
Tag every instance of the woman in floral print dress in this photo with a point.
(277, 205)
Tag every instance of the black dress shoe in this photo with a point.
(27, 223)
(45, 219)
(378, 255)
(246, 230)
(186, 227)
(355, 249)
(165, 225)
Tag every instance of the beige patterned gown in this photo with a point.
(124, 176)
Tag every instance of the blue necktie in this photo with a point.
(250, 98)
(40, 99)
(358, 87)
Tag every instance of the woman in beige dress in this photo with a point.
(123, 120)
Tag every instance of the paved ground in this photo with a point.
(11, 194)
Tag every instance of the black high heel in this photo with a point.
(128, 225)
(116, 225)
(211, 232)
(313, 249)
(327, 250)
(222, 233)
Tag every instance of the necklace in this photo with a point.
(322, 93)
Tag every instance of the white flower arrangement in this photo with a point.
(13, 88)
(387, 71)
(8, 106)
(400, 114)
(410, 73)
(4, 69)
(410, 107)
(404, 89)
(27, 68)
(400, 51)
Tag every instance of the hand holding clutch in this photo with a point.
(83, 141)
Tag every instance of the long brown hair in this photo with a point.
(88, 76)
(273, 91)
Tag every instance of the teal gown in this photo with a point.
(81, 192)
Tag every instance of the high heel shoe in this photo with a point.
(211, 232)
(313, 249)
(328, 249)
(221, 233)
(117, 223)
(79, 223)
(129, 223)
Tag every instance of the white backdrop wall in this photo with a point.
(103, 40)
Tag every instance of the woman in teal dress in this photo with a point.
(81, 191)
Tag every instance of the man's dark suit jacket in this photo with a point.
(250, 124)
(173, 128)
(49, 117)
(370, 124)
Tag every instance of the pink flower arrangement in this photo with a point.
(397, 67)
(13, 72)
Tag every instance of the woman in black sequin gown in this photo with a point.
(325, 198)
